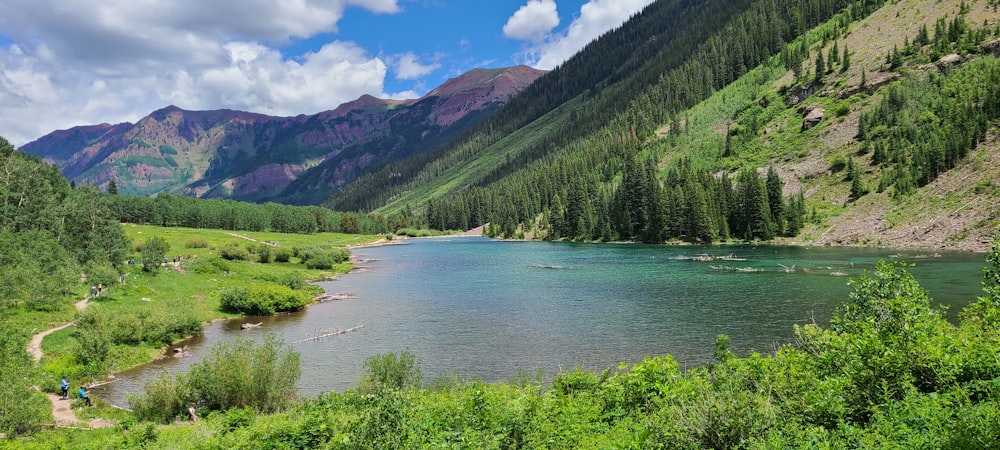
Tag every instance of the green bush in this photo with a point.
(196, 243)
(234, 374)
(142, 324)
(162, 399)
(283, 254)
(241, 374)
(201, 266)
(264, 253)
(323, 258)
(234, 251)
(262, 299)
(292, 280)
(390, 371)
(23, 409)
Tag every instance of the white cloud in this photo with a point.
(532, 21)
(595, 18)
(83, 61)
(408, 66)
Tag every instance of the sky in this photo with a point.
(65, 63)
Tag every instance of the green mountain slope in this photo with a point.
(690, 99)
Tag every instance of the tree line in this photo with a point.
(170, 210)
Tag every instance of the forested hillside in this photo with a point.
(703, 99)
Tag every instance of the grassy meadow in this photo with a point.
(184, 289)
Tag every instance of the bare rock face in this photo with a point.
(993, 47)
(874, 81)
(813, 116)
(949, 60)
(798, 94)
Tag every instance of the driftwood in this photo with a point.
(329, 333)
(247, 326)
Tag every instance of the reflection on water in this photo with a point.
(475, 307)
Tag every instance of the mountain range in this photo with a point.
(254, 157)
(877, 116)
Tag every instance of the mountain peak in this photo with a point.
(511, 79)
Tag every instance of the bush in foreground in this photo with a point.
(235, 374)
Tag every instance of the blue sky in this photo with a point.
(67, 63)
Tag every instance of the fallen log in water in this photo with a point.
(329, 333)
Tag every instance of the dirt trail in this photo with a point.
(35, 345)
(243, 236)
(61, 411)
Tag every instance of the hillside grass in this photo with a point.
(187, 288)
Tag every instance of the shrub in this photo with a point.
(233, 251)
(292, 281)
(323, 258)
(262, 299)
(234, 299)
(142, 324)
(390, 371)
(202, 267)
(23, 410)
(264, 253)
(196, 243)
(234, 374)
(839, 163)
(282, 254)
(162, 399)
(842, 109)
(240, 374)
(221, 264)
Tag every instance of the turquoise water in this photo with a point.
(486, 309)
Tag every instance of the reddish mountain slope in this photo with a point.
(248, 156)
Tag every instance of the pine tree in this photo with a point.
(832, 57)
(112, 187)
(820, 66)
(858, 188)
(845, 61)
(753, 215)
(775, 199)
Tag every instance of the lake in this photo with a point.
(488, 309)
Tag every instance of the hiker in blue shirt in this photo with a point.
(65, 388)
(83, 396)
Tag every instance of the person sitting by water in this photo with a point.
(82, 393)
(192, 414)
(64, 385)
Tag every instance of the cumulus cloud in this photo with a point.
(595, 18)
(408, 67)
(71, 63)
(532, 21)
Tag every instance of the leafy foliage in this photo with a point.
(235, 374)
(391, 371)
(23, 410)
(47, 230)
(154, 253)
(262, 299)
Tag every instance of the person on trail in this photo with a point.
(82, 393)
(192, 414)
(64, 385)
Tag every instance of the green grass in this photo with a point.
(173, 287)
